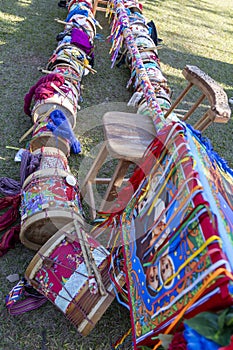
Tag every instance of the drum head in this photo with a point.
(39, 228)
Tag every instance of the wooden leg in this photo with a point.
(192, 109)
(179, 98)
(204, 122)
(91, 200)
(92, 173)
(115, 182)
(95, 6)
(86, 191)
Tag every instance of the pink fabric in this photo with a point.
(11, 215)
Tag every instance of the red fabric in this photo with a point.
(9, 239)
(11, 215)
(42, 89)
(178, 342)
(7, 201)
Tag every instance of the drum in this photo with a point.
(144, 40)
(143, 108)
(69, 73)
(139, 27)
(71, 49)
(42, 137)
(133, 6)
(58, 271)
(52, 158)
(74, 3)
(66, 101)
(149, 56)
(63, 58)
(50, 199)
(85, 23)
(154, 72)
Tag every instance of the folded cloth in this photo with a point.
(81, 40)
(42, 89)
(77, 11)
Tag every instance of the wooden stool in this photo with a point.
(127, 136)
(219, 111)
(100, 5)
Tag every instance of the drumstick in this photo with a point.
(66, 76)
(41, 119)
(91, 266)
(94, 267)
(152, 48)
(63, 22)
(80, 62)
(61, 92)
(85, 255)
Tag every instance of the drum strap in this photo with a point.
(23, 298)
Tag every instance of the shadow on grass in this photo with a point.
(221, 72)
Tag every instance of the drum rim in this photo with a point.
(50, 135)
(69, 46)
(46, 173)
(65, 106)
(53, 150)
(50, 66)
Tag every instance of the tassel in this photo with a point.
(60, 126)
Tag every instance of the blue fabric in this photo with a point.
(214, 156)
(76, 11)
(60, 126)
(196, 341)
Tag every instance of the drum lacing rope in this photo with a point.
(49, 264)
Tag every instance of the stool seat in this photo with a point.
(127, 134)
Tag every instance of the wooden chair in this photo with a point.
(127, 135)
(219, 111)
(100, 5)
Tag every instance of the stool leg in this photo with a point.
(116, 182)
(204, 122)
(86, 187)
(178, 100)
(95, 7)
(194, 107)
(91, 200)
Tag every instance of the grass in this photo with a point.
(196, 33)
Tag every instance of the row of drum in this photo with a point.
(60, 88)
(50, 192)
(145, 37)
(69, 268)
